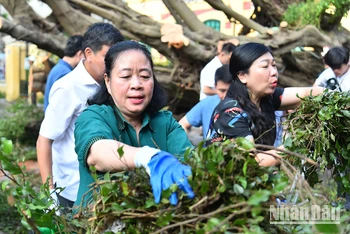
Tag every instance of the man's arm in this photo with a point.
(185, 124)
(208, 90)
(44, 154)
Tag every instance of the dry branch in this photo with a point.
(45, 41)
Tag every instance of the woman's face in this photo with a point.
(131, 83)
(261, 79)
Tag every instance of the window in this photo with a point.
(215, 24)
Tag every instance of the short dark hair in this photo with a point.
(223, 74)
(74, 44)
(336, 56)
(228, 47)
(100, 34)
(102, 96)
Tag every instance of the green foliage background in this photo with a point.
(310, 12)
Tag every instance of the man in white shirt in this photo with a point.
(337, 75)
(57, 159)
(207, 75)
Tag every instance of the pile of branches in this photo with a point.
(320, 129)
(233, 194)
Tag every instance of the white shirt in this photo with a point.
(67, 100)
(207, 76)
(344, 80)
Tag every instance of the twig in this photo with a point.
(287, 152)
(198, 203)
(31, 223)
(210, 214)
(207, 215)
(229, 218)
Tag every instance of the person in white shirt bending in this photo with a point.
(337, 75)
(207, 76)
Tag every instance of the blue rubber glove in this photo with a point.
(167, 170)
(164, 170)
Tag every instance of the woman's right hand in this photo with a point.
(164, 170)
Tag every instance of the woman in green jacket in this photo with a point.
(126, 112)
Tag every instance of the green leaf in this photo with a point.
(104, 190)
(212, 223)
(4, 184)
(238, 189)
(36, 207)
(346, 113)
(245, 166)
(288, 142)
(239, 222)
(107, 176)
(120, 151)
(243, 181)
(281, 185)
(327, 228)
(229, 167)
(117, 207)
(265, 177)
(222, 189)
(256, 211)
(150, 203)
(10, 166)
(164, 220)
(244, 143)
(125, 188)
(258, 197)
(7, 146)
(204, 187)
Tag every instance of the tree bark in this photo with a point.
(72, 21)
(45, 41)
(219, 5)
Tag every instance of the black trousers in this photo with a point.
(64, 202)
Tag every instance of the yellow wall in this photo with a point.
(16, 80)
(14, 67)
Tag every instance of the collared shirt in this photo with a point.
(343, 81)
(98, 122)
(207, 76)
(58, 71)
(67, 99)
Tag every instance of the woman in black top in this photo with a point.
(248, 108)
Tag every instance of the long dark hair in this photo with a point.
(264, 121)
(102, 96)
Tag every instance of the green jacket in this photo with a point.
(97, 122)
